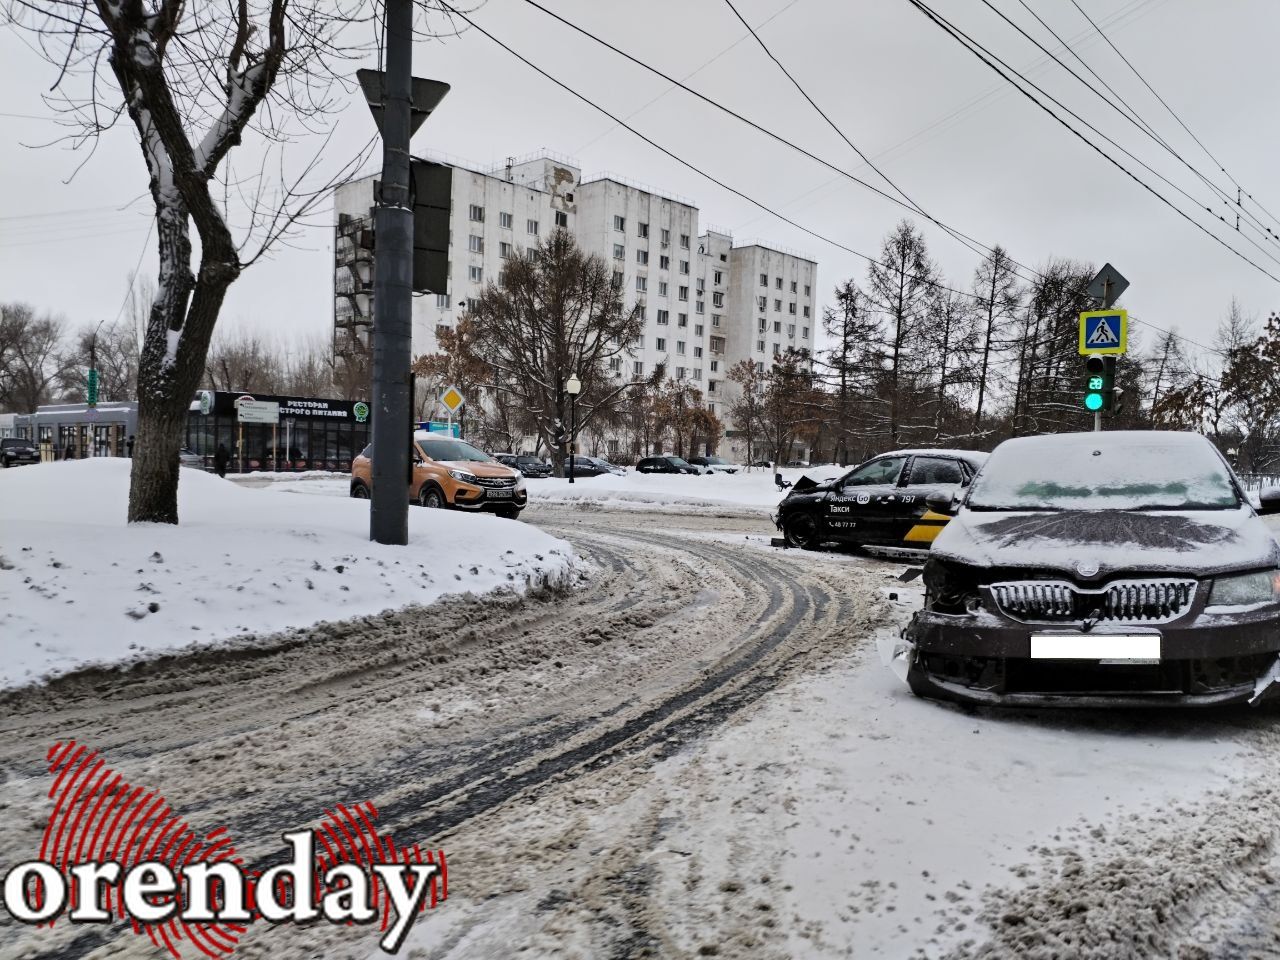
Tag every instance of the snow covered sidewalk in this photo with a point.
(754, 490)
(79, 586)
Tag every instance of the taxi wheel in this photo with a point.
(430, 496)
(801, 530)
(359, 491)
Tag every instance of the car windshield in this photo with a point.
(715, 461)
(1113, 471)
(444, 449)
(529, 461)
(678, 461)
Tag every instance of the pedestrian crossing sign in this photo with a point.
(1104, 331)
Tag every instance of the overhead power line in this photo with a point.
(1004, 70)
(1132, 117)
(906, 204)
(1173, 113)
(912, 204)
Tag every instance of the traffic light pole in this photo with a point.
(1108, 301)
(392, 291)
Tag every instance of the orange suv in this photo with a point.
(451, 473)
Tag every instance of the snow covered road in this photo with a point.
(698, 754)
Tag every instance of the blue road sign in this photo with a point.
(1104, 331)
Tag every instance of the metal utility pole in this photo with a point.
(393, 291)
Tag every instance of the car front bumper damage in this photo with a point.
(985, 658)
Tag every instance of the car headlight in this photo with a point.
(463, 477)
(520, 484)
(1246, 589)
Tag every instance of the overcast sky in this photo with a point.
(969, 149)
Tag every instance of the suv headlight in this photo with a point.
(1246, 590)
(463, 477)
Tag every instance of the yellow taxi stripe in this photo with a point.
(927, 528)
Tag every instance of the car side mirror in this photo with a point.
(1269, 500)
(941, 501)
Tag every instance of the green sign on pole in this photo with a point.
(93, 387)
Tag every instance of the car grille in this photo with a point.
(1124, 601)
(495, 482)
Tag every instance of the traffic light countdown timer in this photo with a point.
(1100, 381)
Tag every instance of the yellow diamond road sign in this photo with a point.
(452, 399)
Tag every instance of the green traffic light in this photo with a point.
(1093, 401)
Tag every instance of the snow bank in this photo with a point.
(755, 489)
(79, 586)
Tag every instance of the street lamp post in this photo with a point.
(573, 386)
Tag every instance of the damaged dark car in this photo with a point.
(1091, 569)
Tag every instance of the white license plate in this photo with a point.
(1105, 647)
(498, 494)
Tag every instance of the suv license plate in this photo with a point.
(1104, 647)
(498, 494)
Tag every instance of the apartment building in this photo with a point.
(708, 304)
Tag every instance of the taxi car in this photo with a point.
(451, 473)
(1100, 569)
(880, 503)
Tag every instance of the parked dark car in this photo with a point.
(16, 450)
(1123, 568)
(528, 465)
(591, 467)
(880, 503)
(666, 465)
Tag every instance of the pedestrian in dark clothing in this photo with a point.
(220, 459)
(128, 446)
(68, 452)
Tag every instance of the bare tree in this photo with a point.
(195, 80)
(242, 360)
(746, 410)
(998, 296)
(32, 362)
(555, 312)
(112, 349)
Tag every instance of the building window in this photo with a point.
(778, 283)
(638, 368)
(764, 279)
(504, 221)
(660, 343)
(711, 388)
(477, 213)
(684, 267)
(684, 241)
(475, 244)
(476, 274)
(642, 284)
(664, 316)
(715, 319)
(793, 286)
(562, 218)
(442, 301)
(504, 250)
(531, 226)
(664, 262)
(697, 352)
(697, 329)
(715, 366)
(701, 285)
(619, 251)
(804, 333)
(777, 349)
(717, 299)
(791, 329)
(679, 373)
(697, 373)
(760, 346)
(764, 324)
(717, 344)
(724, 258)
(717, 278)
(617, 278)
(666, 237)
(791, 309)
(642, 257)
(642, 231)
(806, 313)
(806, 290)
(762, 303)
(662, 288)
(684, 293)
(682, 319)
(777, 326)
(620, 224)
(637, 344)
(697, 306)
(777, 306)
(615, 364)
